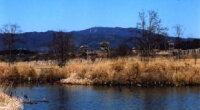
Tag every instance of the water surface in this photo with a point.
(71, 97)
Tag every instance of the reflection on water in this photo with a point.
(110, 98)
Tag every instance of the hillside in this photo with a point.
(38, 41)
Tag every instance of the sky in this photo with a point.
(69, 15)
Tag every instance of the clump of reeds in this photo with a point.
(17, 73)
(50, 75)
(9, 103)
(21, 73)
(6, 101)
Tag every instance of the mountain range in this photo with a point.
(38, 41)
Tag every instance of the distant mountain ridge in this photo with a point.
(38, 41)
(126, 32)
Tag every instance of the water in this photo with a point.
(70, 97)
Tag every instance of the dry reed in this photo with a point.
(9, 103)
(130, 71)
(122, 71)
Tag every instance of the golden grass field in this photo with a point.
(131, 71)
(122, 71)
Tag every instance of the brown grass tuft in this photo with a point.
(9, 103)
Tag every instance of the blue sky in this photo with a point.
(43, 15)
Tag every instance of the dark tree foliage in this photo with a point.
(122, 50)
(61, 47)
(10, 33)
(189, 44)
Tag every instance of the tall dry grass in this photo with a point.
(22, 73)
(9, 103)
(127, 71)
(130, 71)
(6, 101)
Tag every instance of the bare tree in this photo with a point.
(178, 34)
(10, 37)
(152, 33)
(61, 47)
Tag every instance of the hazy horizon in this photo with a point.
(75, 15)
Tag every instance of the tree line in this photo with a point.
(62, 47)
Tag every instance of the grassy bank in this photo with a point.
(122, 71)
(9, 103)
(127, 71)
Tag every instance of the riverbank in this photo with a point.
(130, 71)
(9, 103)
(121, 71)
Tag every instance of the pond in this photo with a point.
(71, 97)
